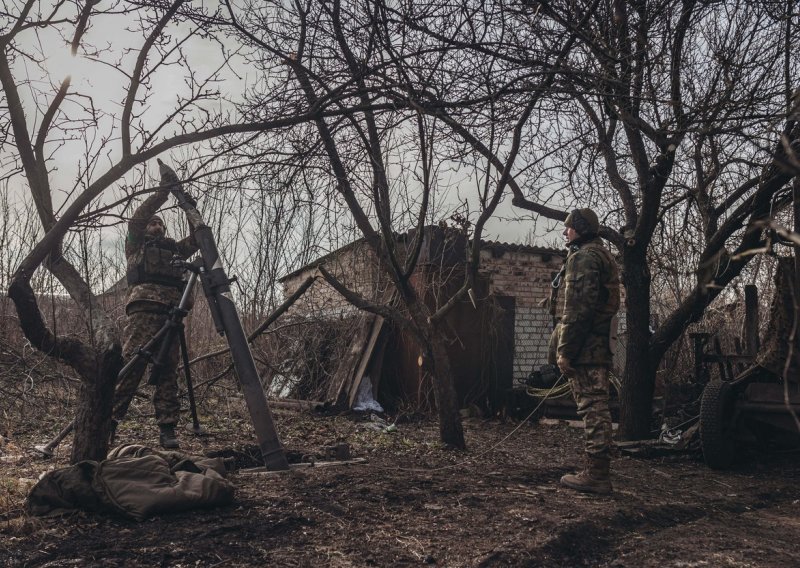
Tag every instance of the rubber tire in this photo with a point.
(716, 425)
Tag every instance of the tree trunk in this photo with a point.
(93, 416)
(98, 373)
(636, 399)
(450, 430)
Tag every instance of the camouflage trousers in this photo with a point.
(139, 329)
(590, 387)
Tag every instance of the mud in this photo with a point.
(414, 503)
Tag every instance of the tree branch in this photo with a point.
(130, 98)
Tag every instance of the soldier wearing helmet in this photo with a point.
(581, 344)
(154, 286)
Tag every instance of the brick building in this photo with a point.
(524, 274)
(492, 343)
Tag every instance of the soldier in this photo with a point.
(580, 344)
(154, 285)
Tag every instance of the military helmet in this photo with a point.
(584, 221)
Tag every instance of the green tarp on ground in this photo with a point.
(134, 481)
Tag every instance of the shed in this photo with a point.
(491, 344)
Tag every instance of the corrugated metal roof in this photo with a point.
(496, 247)
(517, 247)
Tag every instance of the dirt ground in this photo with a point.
(413, 503)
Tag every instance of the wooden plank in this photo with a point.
(375, 331)
(375, 367)
(725, 369)
(751, 322)
(295, 404)
(304, 465)
(339, 388)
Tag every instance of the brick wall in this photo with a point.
(355, 267)
(523, 273)
(525, 276)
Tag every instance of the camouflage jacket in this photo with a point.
(154, 283)
(590, 302)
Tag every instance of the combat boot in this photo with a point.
(595, 478)
(167, 437)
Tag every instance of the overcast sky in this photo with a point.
(105, 84)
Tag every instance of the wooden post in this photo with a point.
(796, 291)
(699, 342)
(751, 319)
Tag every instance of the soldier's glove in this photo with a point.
(565, 366)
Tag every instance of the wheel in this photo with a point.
(716, 425)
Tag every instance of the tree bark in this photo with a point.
(98, 372)
(639, 378)
(95, 401)
(450, 429)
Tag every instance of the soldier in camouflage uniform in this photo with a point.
(154, 285)
(581, 343)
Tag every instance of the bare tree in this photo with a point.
(384, 159)
(46, 119)
(661, 114)
(672, 115)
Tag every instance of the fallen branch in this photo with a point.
(279, 311)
